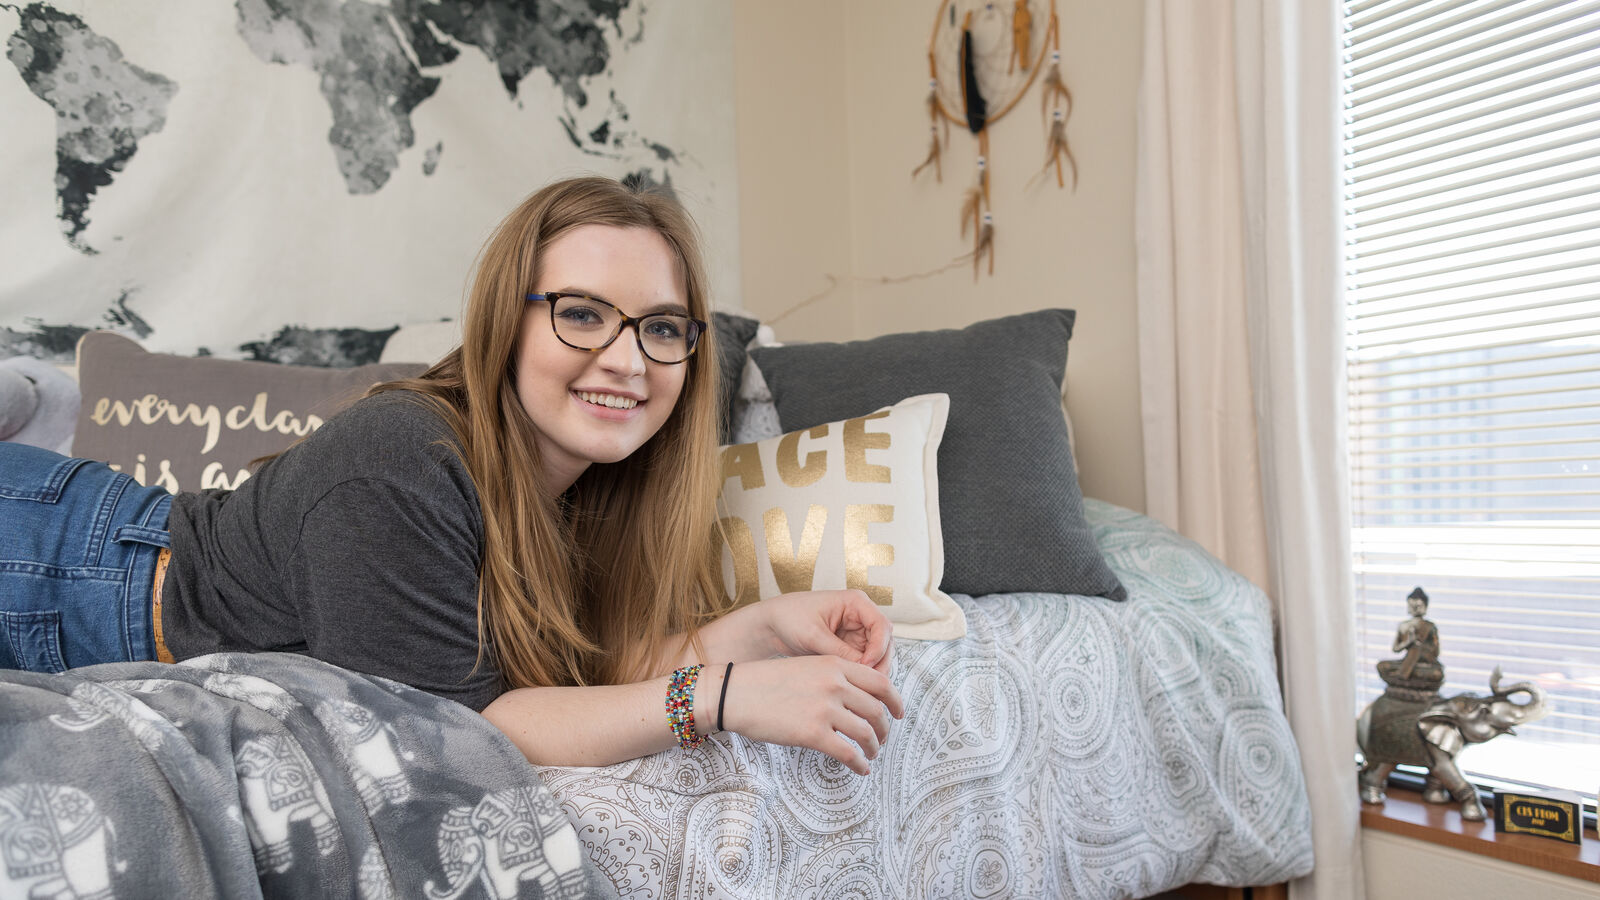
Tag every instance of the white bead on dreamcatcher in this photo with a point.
(982, 162)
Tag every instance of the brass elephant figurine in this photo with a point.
(1418, 728)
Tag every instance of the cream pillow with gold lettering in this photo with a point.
(848, 504)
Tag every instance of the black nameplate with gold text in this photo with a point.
(1551, 814)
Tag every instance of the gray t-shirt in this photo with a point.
(359, 546)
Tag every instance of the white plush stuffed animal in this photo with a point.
(38, 404)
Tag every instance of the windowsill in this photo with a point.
(1407, 815)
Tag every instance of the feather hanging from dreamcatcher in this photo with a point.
(976, 110)
(973, 105)
(1056, 103)
(982, 243)
(1056, 149)
(981, 61)
(971, 210)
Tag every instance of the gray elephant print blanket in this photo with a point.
(248, 775)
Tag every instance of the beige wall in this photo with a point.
(831, 121)
(1400, 868)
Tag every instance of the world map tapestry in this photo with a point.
(257, 178)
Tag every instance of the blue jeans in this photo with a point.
(78, 549)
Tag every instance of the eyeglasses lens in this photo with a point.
(588, 324)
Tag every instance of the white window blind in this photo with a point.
(1472, 209)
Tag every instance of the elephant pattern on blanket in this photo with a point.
(279, 787)
(267, 774)
(54, 842)
(369, 745)
(507, 838)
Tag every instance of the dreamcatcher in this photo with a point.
(983, 57)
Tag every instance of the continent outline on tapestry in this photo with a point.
(104, 104)
(370, 59)
(109, 87)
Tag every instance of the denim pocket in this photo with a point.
(30, 473)
(32, 641)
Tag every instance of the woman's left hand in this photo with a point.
(845, 624)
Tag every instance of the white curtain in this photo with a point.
(1202, 475)
(1238, 222)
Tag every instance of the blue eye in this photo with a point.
(664, 328)
(578, 313)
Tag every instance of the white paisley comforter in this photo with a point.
(1066, 747)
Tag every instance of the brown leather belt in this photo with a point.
(162, 653)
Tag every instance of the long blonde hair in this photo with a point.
(585, 588)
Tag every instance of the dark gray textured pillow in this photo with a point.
(734, 333)
(1009, 502)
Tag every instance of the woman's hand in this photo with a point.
(833, 623)
(814, 702)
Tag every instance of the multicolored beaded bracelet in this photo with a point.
(680, 706)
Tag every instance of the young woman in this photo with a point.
(526, 527)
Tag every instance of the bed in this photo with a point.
(1065, 746)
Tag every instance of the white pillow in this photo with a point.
(849, 504)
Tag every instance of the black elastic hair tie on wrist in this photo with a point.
(724, 698)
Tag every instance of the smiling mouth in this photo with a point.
(611, 401)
